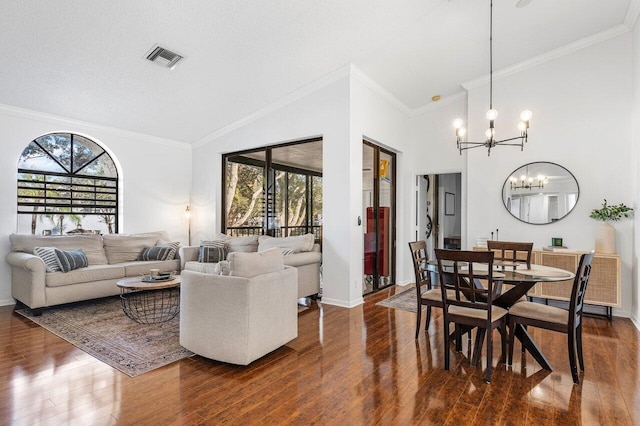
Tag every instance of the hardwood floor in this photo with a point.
(348, 366)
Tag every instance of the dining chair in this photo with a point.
(557, 319)
(471, 305)
(511, 253)
(426, 294)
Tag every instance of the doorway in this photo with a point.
(379, 213)
(439, 211)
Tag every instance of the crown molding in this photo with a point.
(550, 55)
(632, 14)
(379, 90)
(71, 123)
(448, 100)
(314, 86)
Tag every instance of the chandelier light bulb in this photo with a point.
(458, 123)
(522, 126)
(526, 115)
(490, 133)
(523, 178)
(461, 132)
(492, 114)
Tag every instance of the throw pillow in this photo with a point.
(48, 256)
(70, 260)
(249, 265)
(222, 268)
(162, 251)
(299, 243)
(287, 251)
(212, 251)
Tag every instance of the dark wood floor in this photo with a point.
(348, 366)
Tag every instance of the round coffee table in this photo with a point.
(150, 302)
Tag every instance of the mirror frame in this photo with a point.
(504, 202)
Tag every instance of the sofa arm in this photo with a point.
(187, 254)
(27, 278)
(237, 320)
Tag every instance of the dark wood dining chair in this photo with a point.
(426, 294)
(557, 319)
(511, 253)
(471, 305)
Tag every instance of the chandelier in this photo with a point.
(528, 182)
(492, 114)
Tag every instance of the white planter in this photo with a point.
(605, 238)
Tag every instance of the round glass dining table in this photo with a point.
(521, 279)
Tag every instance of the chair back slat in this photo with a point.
(513, 251)
(579, 289)
(459, 271)
(419, 258)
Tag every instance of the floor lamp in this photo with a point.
(187, 214)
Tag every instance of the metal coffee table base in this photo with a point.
(151, 306)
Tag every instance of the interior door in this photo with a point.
(378, 173)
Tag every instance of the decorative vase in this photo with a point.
(605, 238)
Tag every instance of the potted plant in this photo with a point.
(606, 233)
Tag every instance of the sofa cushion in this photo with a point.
(299, 243)
(161, 251)
(90, 244)
(48, 256)
(84, 275)
(300, 259)
(127, 247)
(249, 265)
(241, 244)
(212, 251)
(204, 268)
(68, 260)
(138, 268)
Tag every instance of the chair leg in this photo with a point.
(446, 345)
(489, 355)
(428, 321)
(477, 348)
(418, 319)
(458, 339)
(579, 345)
(503, 342)
(512, 335)
(572, 355)
(523, 348)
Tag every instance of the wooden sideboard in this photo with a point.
(605, 281)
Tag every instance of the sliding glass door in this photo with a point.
(378, 178)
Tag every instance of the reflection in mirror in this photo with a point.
(540, 193)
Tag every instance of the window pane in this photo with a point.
(297, 207)
(84, 151)
(58, 145)
(244, 198)
(34, 158)
(103, 166)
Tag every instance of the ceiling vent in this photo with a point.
(164, 57)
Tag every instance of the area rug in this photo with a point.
(405, 301)
(101, 329)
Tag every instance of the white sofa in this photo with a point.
(306, 259)
(111, 258)
(241, 317)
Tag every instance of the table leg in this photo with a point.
(528, 343)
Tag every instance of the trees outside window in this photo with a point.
(66, 183)
(263, 195)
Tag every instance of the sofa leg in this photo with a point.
(37, 311)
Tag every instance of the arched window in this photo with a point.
(66, 184)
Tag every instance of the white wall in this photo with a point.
(155, 172)
(635, 183)
(581, 104)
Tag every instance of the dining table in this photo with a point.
(521, 279)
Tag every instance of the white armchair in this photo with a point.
(238, 319)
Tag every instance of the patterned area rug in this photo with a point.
(101, 329)
(405, 301)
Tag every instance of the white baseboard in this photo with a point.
(7, 302)
(635, 321)
(342, 303)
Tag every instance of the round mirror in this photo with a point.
(540, 193)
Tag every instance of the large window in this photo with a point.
(274, 191)
(66, 184)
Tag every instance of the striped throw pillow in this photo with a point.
(48, 256)
(212, 251)
(161, 251)
(70, 260)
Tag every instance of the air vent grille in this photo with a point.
(164, 57)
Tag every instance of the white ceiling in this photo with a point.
(83, 59)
